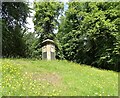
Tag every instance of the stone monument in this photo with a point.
(48, 50)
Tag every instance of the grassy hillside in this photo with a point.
(55, 78)
(0, 78)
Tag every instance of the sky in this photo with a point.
(30, 23)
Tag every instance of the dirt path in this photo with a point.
(52, 78)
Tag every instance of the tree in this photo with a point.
(14, 16)
(90, 34)
(46, 20)
(32, 50)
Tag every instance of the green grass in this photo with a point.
(0, 78)
(26, 77)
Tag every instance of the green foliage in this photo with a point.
(33, 50)
(59, 52)
(89, 34)
(14, 16)
(46, 18)
(27, 77)
(45, 21)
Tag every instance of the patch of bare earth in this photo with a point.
(52, 78)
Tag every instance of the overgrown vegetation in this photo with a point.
(88, 32)
(27, 77)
